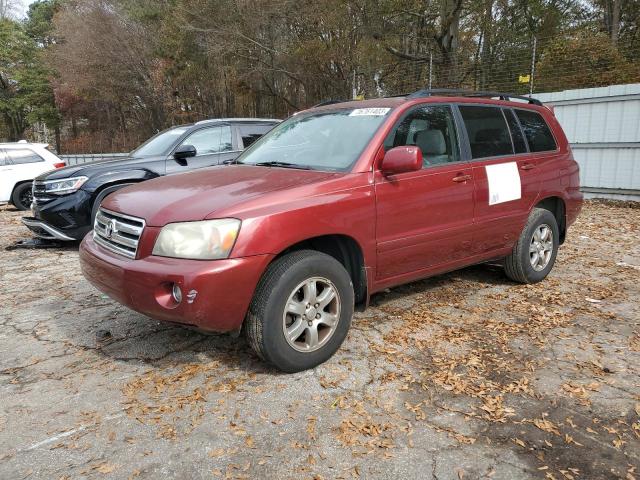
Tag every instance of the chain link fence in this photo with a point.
(526, 67)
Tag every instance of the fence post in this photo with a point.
(533, 66)
(430, 68)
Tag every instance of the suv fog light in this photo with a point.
(177, 293)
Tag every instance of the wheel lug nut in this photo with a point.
(318, 316)
(316, 305)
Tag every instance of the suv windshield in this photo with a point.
(160, 143)
(325, 140)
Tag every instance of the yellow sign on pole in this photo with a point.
(524, 78)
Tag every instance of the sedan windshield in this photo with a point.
(326, 140)
(159, 144)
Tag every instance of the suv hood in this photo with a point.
(90, 169)
(194, 195)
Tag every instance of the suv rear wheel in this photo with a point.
(534, 254)
(22, 196)
(301, 311)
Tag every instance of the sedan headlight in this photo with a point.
(64, 186)
(205, 240)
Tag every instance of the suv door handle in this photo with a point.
(461, 178)
(528, 166)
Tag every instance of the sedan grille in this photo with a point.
(117, 232)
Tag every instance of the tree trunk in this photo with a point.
(615, 20)
(448, 40)
(57, 139)
(487, 38)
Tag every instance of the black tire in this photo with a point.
(264, 325)
(22, 196)
(518, 266)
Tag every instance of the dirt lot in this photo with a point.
(458, 377)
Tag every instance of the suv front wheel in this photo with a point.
(301, 311)
(534, 254)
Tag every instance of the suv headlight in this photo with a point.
(64, 186)
(205, 240)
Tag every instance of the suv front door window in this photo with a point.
(424, 218)
(210, 143)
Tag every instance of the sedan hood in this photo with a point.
(194, 195)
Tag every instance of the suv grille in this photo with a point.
(40, 194)
(117, 232)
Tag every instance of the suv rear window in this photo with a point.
(20, 156)
(537, 131)
(516, 133)
(250, 133)
(487, 130)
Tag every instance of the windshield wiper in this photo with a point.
(282, 164)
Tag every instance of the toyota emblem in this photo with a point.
(110, 228)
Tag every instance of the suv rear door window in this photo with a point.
(519, 144)
(432, 128)
(20, 156)
(487, 130)
(210, 140)
(250, 133)
(537, 131)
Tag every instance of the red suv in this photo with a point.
(336, 203)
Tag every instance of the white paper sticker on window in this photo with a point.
(504, 182)
(376, 112)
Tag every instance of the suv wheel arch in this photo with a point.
(556, 206)
(348, 252)
(102, 194)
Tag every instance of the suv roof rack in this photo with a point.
(328, 102)
(471, 93)
(234, 119)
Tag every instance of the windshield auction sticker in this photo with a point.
(373, 112)
(504, 182)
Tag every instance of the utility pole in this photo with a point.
(533, 66)
(430, 68)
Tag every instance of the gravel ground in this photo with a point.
(462, 376)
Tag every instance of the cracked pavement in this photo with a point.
(462, 376)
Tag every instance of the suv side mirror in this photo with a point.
(184, 151)
(407, 158)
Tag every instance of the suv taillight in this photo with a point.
(59, 165)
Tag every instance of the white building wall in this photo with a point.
(603, 127)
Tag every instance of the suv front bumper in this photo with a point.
(215, 294)
(67, 215)
(43, 230)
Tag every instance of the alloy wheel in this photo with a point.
(541, 247)
(311, 314)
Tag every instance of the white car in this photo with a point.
(20, 163)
